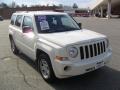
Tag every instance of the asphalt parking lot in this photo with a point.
(19, 73)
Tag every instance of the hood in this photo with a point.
(71, 37)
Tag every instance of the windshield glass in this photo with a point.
(55, 23)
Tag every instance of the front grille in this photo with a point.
(91, 50)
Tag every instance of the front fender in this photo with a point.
(49, 48)
(46, 48)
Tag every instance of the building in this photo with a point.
(105, 8)
(83, 12)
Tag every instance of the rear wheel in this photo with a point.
(13, 47)
(45, 68)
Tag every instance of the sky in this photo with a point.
(80, 3)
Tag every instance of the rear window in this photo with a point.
(13, 19)
(18, 20)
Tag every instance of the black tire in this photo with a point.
(50, 76)
(13, 47)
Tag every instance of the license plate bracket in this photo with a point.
(99, 64)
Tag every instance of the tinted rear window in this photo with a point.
(18, 20)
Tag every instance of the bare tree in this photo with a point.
(23, 5)
(17, 6)
(75, 6)
(4, 5)
(61, 5)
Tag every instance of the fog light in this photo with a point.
(66, 68)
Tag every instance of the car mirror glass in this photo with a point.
(27, 29)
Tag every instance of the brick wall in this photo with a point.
(7, 12)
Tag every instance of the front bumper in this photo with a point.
(81, 67)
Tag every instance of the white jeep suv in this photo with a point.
(58, 44)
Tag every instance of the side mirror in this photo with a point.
(27, 29)
(80, 25)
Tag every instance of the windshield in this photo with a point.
(55, 23)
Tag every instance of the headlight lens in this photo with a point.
(73, 52)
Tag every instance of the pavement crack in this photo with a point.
(24, 77)
(18, 68)
(7, 57)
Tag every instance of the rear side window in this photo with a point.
(18, 20)
(13, 19)
(27, 22)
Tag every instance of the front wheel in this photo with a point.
(45, 68)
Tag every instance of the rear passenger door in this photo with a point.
(12, 25)
(18, 31)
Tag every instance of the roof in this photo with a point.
(38, 13)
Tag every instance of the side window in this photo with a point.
(18, 20)
(13, 19)
(27, 21)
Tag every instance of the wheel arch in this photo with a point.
(44, 48)
(39, 51)
(10, 36)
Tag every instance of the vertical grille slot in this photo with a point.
(95, 49)
(101, 47)
(87, 51)
(104, 46)
(82, 52)
(91, 50)
(98, 46)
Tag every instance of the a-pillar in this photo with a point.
(109, 9)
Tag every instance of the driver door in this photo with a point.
(28, 37)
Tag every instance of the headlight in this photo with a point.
(73, 52)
